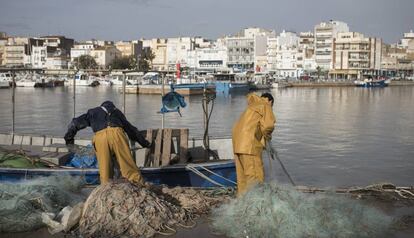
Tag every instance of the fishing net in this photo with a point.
(272, 210)
(21, 204)
(116, 209)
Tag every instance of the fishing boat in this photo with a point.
(197, 170)
(82, 79)
(5, 80)
(25, 83)
(371, 83)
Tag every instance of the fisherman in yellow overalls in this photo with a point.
(250, 134)
(110, 125)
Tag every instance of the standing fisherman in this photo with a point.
(110, 125)
(251, 133)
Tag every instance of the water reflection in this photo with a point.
(325, 136)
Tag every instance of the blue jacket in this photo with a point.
(99, 118)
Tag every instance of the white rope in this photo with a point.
(195, 171)
(216, 174)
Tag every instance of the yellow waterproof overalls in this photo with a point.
(250, 134)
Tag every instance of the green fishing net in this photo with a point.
(21, 204)
(272, 210)
(14, 160)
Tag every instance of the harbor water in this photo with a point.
(324, 136)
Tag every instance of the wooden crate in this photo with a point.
(162, 150)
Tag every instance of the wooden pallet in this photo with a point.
(163, 149)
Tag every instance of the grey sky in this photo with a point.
(133, 19)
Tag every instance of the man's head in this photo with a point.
(269, 97)
(110, 107)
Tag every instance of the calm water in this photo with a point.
(325, 136)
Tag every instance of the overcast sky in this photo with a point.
(134, 19)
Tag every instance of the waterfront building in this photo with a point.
(405, 41)
(244, 48)
(17, 51)
(204, 60)
(271, 54)
(355, 56)
(282, 55)
(55, 52)
(80, 49)
(306, 52)
(158, 47)
(130, 48)
(104, 55)
(325, 33)
(177, 49)
(101, 43)
(396, 61)
(3, 42)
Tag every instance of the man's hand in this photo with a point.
(148, 145)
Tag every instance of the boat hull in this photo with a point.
(372, 84)
(175, 175)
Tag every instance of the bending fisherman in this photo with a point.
(110, 125)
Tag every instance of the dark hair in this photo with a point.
(269, 97)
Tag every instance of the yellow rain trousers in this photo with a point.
(113, 140)
(250, 133)
(249, 170)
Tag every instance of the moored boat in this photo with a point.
(371, 83)
(194, 172)
(82, 79)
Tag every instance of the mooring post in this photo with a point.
(162, 95)
(74, 94)
(123, 91)
(13, 101)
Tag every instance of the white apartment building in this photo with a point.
(207, 59)
(177, 49)
(405, 41)
(325, 33)
(81, 49)
(306, 52)
(286, 55)
(38, 57)
(355, 55)
(245, 47)
(271, 54)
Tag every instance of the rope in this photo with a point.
(216, 174)
(192, 169)
(273, 155)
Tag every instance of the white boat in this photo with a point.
(25, 83)
(5, 80)
(82, 79)
(4, 84)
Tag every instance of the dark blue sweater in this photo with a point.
(99, 118)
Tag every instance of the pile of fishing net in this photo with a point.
(115, 209)
(22, 204)
(272, 210)
(18, 159)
